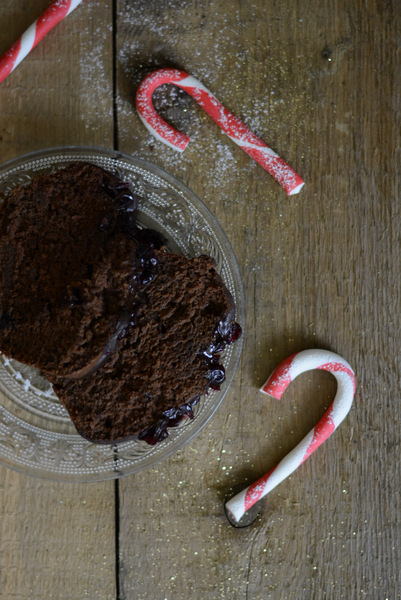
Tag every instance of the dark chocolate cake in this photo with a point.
(129, 335)
(167, 357)
(65, 264)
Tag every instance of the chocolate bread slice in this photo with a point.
(65, 267)
(167, 359)
(129, 335)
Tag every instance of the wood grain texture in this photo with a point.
(319, 82)
(57, 541)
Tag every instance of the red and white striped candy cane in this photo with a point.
(57, 11)
(277, 383)
(229, 123)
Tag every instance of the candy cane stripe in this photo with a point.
(27, 43)
(280, 379)
(321, 432)
(8, 60)
(190, 82)
(264, 150)
(275, 386)
(235, 129)
(57, 11)
(255, 491)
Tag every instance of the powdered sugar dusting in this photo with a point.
(213, 48)
(237, 131)
(94, 68)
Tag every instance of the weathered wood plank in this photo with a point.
(319, 83)
(57, 541)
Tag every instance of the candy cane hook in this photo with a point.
(58, 10)
(275, 386)
(229, 123)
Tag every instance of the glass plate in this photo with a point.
(37, 436)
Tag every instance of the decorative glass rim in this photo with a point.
(36, 434)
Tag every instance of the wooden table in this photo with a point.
(320, 82)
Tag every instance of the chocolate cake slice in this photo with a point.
(65, 267)
(129, 334)
(167, 359)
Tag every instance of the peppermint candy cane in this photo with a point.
(57, 11)
(229, 123)
(275, 386)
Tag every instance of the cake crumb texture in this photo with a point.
(65, 268)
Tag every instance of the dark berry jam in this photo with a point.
(170, 418)
(144, 270)
(226, 333)
(216, 375)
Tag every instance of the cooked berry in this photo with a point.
(125, 331)
(234, 332)
(126, 201)
(170, 418)
(216, 375)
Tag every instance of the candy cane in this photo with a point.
(57, 11)
(229, 123)
(277, 383)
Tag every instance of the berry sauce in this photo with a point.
(226, 333)
(170, 418)
(144, 267)
(145, 264)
